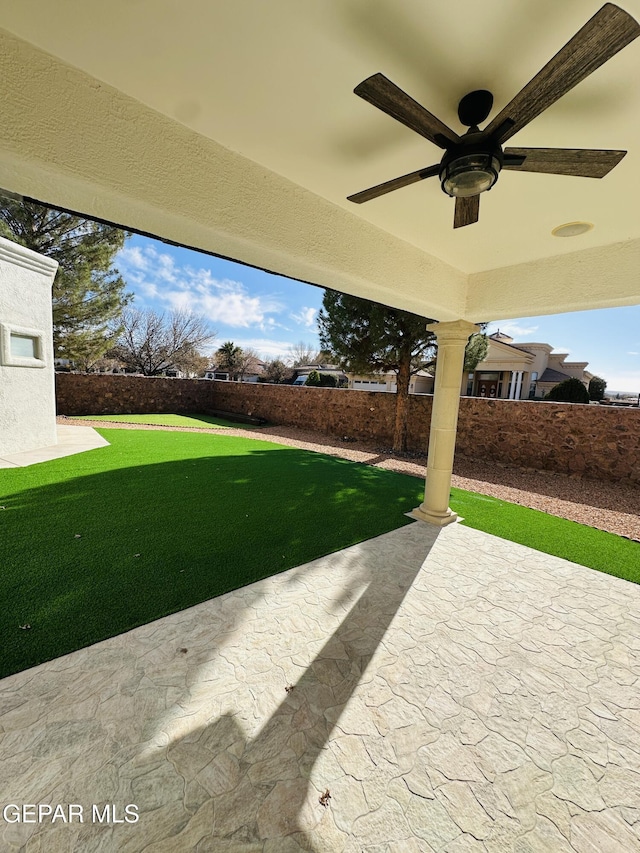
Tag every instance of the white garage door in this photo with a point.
(369, 385)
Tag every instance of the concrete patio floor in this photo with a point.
(71, 439)
(444, 690)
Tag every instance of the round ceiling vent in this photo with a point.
(572, 229)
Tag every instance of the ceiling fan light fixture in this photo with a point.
(469, 175)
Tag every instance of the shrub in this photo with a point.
(569, 391)
(596, 388)
(328, 381)
(313, 378)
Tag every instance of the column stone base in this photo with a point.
(439, 518)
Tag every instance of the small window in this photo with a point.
(21, 347)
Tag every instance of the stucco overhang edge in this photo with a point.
(72, 141)
(598, 277)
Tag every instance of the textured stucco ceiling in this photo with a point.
(260, 95)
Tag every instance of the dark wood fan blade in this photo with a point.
(467, 211)
(386, 96)
(602, 37)
(395, 184)
(582, 162)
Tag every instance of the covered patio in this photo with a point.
(433, 689)
(452, 691)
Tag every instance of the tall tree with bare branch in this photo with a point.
(248, 362)
(151, 343)
(303, 353)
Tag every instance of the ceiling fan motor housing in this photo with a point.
(472, 167)
(474, 108)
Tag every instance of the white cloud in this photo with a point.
(165, 268)
(132, 257)
(305, 317)
(267, 348)
(633, 353)
(511, 328)
(148, 288)
(269, 325)
(156, 276)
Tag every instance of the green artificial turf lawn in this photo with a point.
(94, 544)
(201, 421)
(578, 543)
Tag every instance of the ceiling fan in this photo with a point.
(472, 162)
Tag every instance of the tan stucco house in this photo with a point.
(510, 371)
(520, 371)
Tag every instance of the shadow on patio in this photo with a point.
(451, 690)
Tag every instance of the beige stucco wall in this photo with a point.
(500, 358)
(571, 368)
(540, 354)
(27, 396)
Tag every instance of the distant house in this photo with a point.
(213, 373)
(251, 373)
(420, 383)
(520, 371)
(302, 371)
(511, 371)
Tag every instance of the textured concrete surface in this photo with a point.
(428, 690)
(71, 439)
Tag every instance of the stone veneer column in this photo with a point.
(452, 338)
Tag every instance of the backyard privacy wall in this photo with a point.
(591, 441)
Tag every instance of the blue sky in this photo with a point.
(270, 313)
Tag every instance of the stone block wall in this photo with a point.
(108, 394)
(600, 442)
(592, 441)
(364, 415)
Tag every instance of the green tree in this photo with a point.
(597, 387)
(88, 292)
(569, 391)
(366, 337)
(314, 379)
(229, 358)
(328, 380)
(476, 350)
